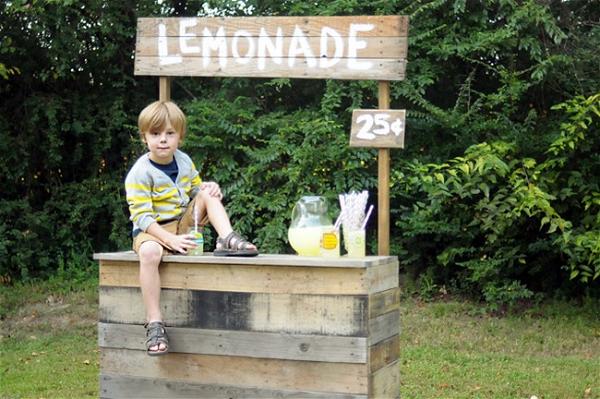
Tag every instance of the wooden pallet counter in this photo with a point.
(274, 326)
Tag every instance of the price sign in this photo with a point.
(381, 128)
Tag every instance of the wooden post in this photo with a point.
(383, 178)
(164, 88)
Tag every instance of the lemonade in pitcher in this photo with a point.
(309, 220)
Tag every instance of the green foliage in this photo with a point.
(268, 160)
(496, 193)
(495, 218)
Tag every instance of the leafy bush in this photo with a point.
(495, 219)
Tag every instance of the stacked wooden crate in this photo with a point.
(274, 326)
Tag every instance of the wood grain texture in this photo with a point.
(384, 353)
(376, 47)
(272, 374)
(119, 386)
(380, 68)
(284, 313)
(321, 348)
(385, 382)
(260, 260)
(383, 302)
(310, 26)
(383, 327)
(233, 278)
(365, 127)
(357, 47)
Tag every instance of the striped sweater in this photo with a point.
(153, 197)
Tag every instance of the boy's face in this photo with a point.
(162, 143)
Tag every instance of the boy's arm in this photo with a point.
(179, 243)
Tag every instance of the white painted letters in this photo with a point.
(324, 61)
(299, 45)
(218, 42)
(163, 48)
(265, 44)
(185, 36)
(355, 45)
(235, 51)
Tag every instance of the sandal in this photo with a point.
(156, 334)
(234, 245)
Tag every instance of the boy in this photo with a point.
(163, 191)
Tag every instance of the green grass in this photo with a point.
(48, 345)
(62, 365)
(451, 349)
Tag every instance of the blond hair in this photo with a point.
(156, 115)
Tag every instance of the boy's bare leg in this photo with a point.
(150, 254)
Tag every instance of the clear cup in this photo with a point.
(354, 241)
(329, 245)
(199, 240)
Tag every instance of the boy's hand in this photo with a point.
(212, 189)
(181, 243)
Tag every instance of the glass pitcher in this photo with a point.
(309, 217)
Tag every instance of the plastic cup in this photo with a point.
(329, 243)
(199, 240)
(355, 243)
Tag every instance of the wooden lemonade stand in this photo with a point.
(273, 326)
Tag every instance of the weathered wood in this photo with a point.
(273, 326)
(118, 386)
(285, 313)
(394, 25)
(272, 374)
(385, 382)
(383, 327)
(381, 68)
(265, 279)
(320, 348)
(356, 47)
(384, 353)
(376, 47)
(377, 128)
(384, 302)
(383, 277)
(164, 88)
(383, 182)
(260, 260)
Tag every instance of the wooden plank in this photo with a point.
(374, 69)
(385, 383)
(284, 313)
(384, 353)
(321, 348)
(383, 327)
(377, 128)
(394, 25)
(232, 278)
(272, 374)
(383, 277)
(118, 386)
(376, 47)
(164, 88)
(383, 180)
(384, 302)
(260, 260)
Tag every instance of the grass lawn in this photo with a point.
(48, 344)
(449, 349)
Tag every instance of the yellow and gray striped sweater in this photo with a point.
(152, 195)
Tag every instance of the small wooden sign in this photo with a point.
(381, 128)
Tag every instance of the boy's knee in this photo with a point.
(150, 252)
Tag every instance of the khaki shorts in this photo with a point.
(180, 226)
